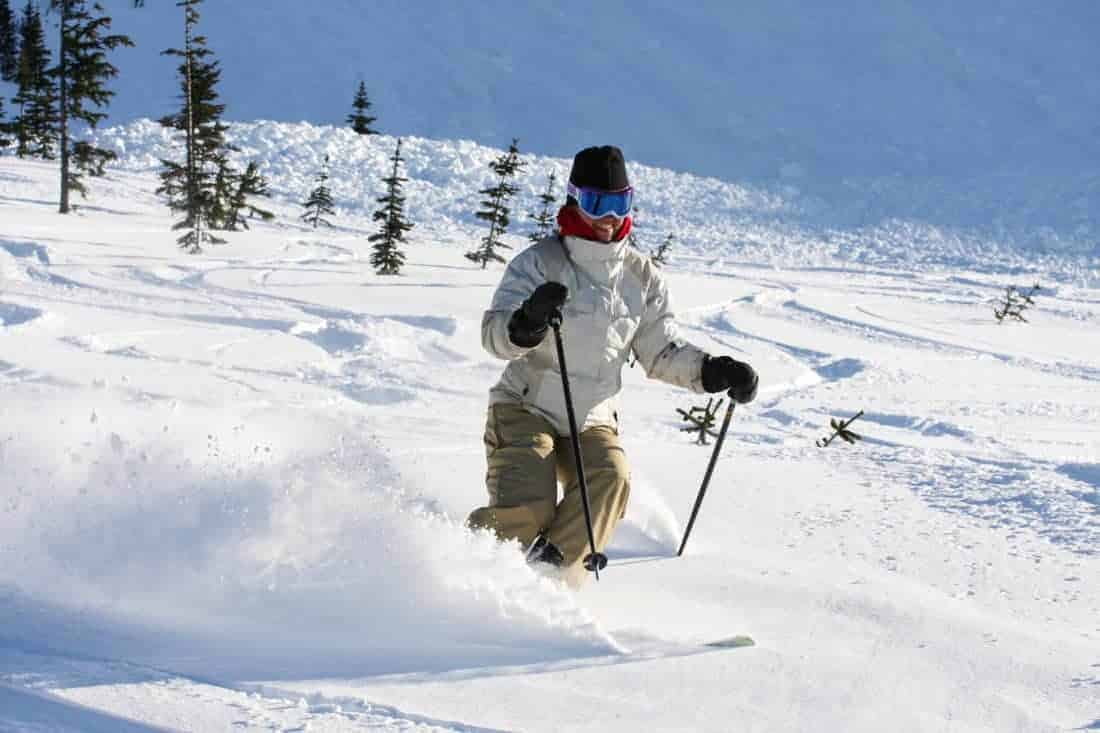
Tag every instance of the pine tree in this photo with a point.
(386, 257)
(359, 120)
(660, 257)
(207, 189)
(545, 219)
(81, 72)
(319, 203)
(9, 43)
(240, 207)
(225, 180)
(496, 210)
(4, 127)
(35, 125)
(191, 186)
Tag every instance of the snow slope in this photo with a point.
(711, 219)
(979, 115)
(232, 485)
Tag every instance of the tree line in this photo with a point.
(53, 96)
(496, 211)
(58, 101)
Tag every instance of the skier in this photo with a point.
(612, 302)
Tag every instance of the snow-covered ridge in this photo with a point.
(960, 114)
(711, 219)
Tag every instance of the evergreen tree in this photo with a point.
(225, 180)
(91, 160)
(191, 186)
(81, 72)
(660, 257)
(386, 257)
(319, 203)
(545, 219)
(240, 207)
(359, 120)
(35, 125)
(9, 44)
(496, 210)
(206, 188)
(4, 127)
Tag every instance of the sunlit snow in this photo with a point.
(233, 484)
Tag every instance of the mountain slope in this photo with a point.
(980, 114)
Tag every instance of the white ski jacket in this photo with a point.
(618, 303)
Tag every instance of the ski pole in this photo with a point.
(596, 561)
(706, 477)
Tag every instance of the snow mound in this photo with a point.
(713, 220)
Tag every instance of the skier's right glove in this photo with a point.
(527, 326)
(722, 373)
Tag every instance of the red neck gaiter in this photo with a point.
(572, 224)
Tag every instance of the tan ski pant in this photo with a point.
(526, 460)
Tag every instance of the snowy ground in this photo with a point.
(232, 485)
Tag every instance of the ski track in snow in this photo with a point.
(1019, 491)
(211, 704)
(273, 429)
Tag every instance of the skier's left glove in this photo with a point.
(722, 373)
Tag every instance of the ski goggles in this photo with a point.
(598, 204)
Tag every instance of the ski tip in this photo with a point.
(733, 642)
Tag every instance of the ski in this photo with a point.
(733, 642)
(656, 648)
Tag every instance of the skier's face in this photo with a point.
(605, 227)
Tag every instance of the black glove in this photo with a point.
(527, 327)
(723, 372)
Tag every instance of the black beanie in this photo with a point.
(602, 168)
